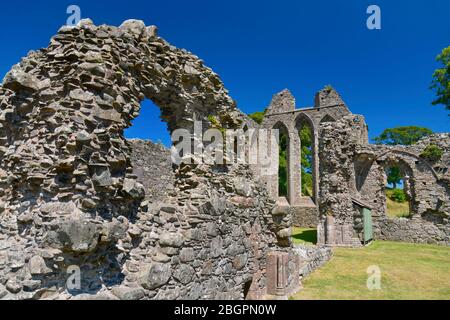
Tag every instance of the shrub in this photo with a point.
(397, 195)
(258, 116)
(432, 153)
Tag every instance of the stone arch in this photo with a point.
(284, 131)
(113, 79)
(301, 120)
(408, 179)
(364, 163)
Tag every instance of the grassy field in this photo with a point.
(304, 236)
(397, 209)
(408, 271)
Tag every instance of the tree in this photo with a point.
(402, 135)
(441, 83)
(306, 160)
(282, 166)
(394, 176)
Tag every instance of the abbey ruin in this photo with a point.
(75, 194)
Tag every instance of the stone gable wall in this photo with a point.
(73, 193)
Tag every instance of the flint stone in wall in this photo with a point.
(216, 247)
(240, 261)
(114, 231)
(243, 202)
(61, 208)
(171, 239)
(102, 175)
(187, 255)
(242, 187)
(17, 79)
(134, 189)
(110, 115)
(126, 293)
(135, 27)
(75, 236)
(81, 95)
(184, 273)
(37, 266)
(154, 276)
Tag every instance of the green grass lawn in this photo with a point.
(408, 271)
(304, 236)
(397, 209)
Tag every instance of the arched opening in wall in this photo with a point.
(283, 162)
(150, 141)
(149, 125)
(398, 191)
(308, 159)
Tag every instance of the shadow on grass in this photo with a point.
(305, 236)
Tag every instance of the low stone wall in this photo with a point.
(416, 230)
(304, 217)
(312, 258)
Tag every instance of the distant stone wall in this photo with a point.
(417, 231)
(153, 168)
(304, 217)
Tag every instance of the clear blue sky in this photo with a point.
(261, 47)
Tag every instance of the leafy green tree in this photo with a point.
(441, 82)
(402, 135)
(282, 166)
(394, 176)
(306, 160)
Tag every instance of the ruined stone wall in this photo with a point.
(283, 115)
(353, 176)
(71, 197)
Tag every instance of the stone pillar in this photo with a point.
(295, 189)
(315, 168)
(330, 231)
(277, 274)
